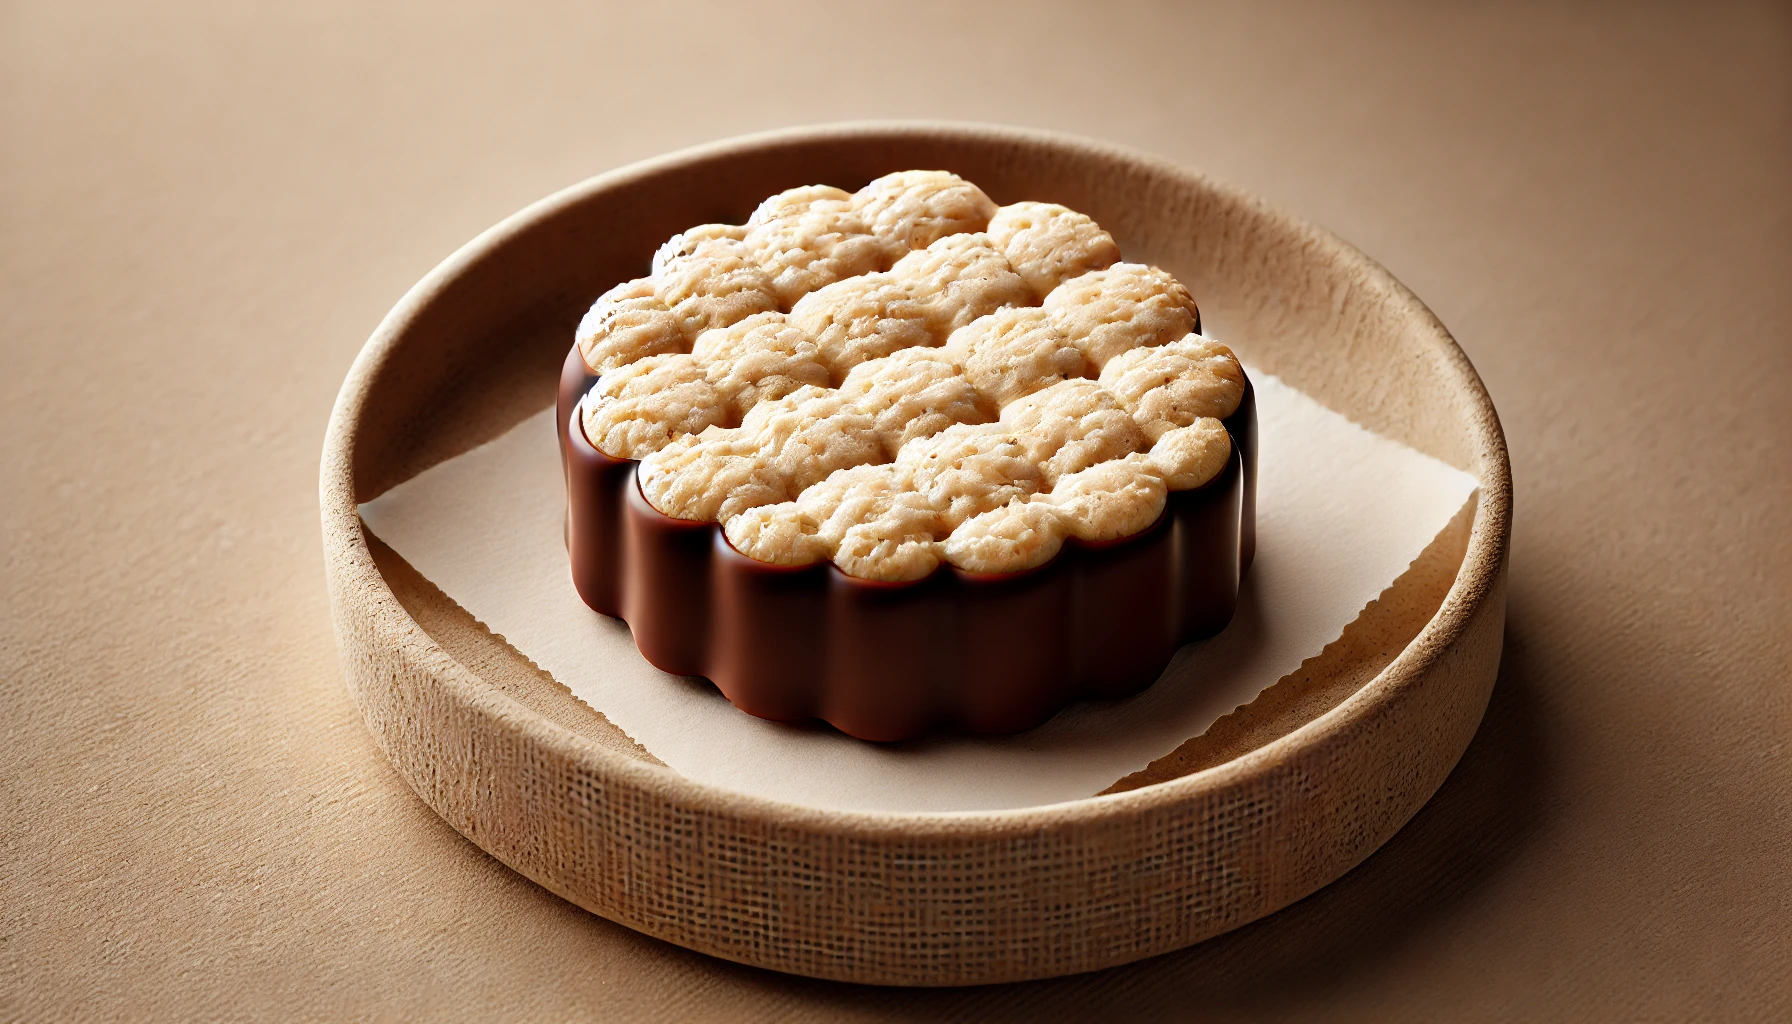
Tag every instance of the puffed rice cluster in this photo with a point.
(904, 375)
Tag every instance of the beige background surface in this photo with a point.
(206, 210)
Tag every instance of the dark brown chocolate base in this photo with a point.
(890, 661)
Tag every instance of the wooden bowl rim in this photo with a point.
(1475, 580)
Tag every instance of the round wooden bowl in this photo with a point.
(912, 899)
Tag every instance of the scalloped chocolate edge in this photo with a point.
(985, 653)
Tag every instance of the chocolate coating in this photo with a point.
(889, 661)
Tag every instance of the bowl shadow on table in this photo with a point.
(1487, 810)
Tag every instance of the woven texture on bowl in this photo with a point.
(924, 899)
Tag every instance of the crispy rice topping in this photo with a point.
(906, 375)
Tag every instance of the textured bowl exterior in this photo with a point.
(927, 899)
(880, 661)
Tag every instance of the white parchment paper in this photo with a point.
(1341, 513)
